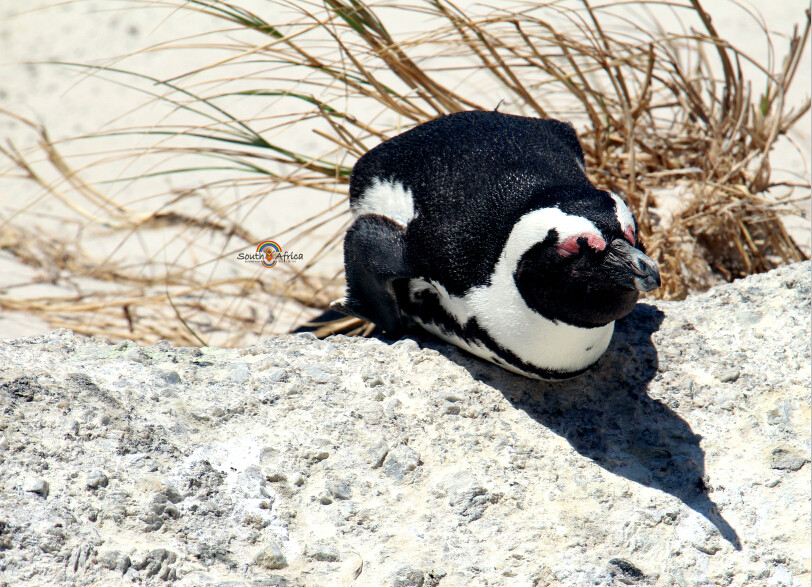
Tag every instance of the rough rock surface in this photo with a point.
(682, 458)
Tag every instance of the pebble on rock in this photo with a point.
(469, 498)
(377, 452)
(339, 489)
(400, 461)
(36, 485)
(787, 459)
(407, 576)
(323, 551)
(96, 479)
(728, 375)
(115, 561)
(271, 558)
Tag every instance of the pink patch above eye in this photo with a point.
(570, 246)
(629, 234)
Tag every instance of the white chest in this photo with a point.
(509, 323)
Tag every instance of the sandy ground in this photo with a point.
(68, 103)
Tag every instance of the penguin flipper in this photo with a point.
(374, 257)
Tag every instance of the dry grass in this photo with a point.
(655, 109)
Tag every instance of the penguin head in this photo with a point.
(587, 266)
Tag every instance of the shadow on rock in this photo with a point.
(607, 415)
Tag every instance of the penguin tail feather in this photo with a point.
(349, 307)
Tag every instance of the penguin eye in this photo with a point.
(572, 245)
(629, 234)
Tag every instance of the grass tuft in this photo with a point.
(302, 89)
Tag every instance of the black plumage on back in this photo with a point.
(483, 229)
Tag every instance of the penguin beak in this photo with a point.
(630, 268)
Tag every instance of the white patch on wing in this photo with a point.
(502, 312)
(386, 198)
(624, 215)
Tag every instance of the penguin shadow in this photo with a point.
(607, 415)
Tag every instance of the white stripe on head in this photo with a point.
(533, 227)
(624, 217)
(390, 199)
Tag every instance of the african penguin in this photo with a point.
(483, 229)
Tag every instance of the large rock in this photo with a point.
(682, 458)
